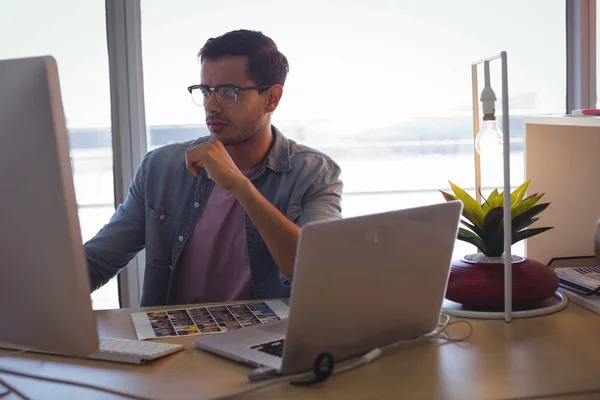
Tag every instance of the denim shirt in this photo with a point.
(165, 200)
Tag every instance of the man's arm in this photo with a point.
(321, 202)
(121, 239)
(279, 233)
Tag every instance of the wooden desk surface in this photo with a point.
(557, 353)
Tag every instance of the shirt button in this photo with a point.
(171, 267)
(180, 239)
(196, 205)
(162, 217)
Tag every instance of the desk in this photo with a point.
(549, 354)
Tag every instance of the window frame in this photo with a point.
(581, 54)
(128, 120)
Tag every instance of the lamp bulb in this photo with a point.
(489, 139)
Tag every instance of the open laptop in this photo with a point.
(359, 283)
(45, 303)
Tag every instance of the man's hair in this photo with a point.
(266, 64)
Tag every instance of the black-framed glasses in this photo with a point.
(226, 94)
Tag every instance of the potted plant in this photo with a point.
(477, 280)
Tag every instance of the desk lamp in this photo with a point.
(489, 140)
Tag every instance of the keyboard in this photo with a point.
(132, 351)
(274, 348)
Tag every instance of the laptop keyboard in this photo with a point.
(274, 348)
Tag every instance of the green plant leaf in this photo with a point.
(478, 231)
(527, 233)
(492, 195)
(470, 237)
(516, 197)
(527, 215)
(465, 213)
(498, 200)
(533, 195)
(526, 204)
(493, 219)
(523, 225)
(487, 205)
(448, 196)
(495, 243)
(471, 208)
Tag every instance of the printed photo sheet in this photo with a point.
(206, 320)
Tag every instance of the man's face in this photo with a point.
(233, 124)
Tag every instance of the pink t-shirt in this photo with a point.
(215, 265)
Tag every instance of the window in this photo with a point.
(382, 87)
(38, 27)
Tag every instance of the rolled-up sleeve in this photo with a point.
(321, 202)
(118, 242)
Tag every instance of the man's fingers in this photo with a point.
(194, 169)
(192, 165)
(204, 152)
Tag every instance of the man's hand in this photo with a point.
(213, 157)
(279, 233)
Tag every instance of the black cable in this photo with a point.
(322, 368)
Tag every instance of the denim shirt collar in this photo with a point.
(278, 156)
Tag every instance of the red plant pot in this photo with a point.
(481, 284)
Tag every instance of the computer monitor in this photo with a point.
(44, 285)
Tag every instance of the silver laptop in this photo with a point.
(359, 283)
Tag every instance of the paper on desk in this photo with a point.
(206, 320)
(588, 277)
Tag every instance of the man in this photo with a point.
(219, 216)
